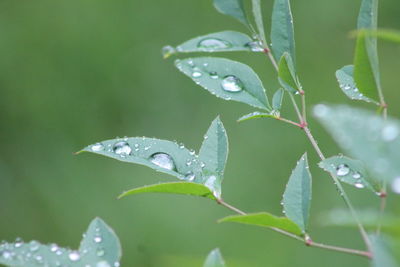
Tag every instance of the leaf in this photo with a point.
(287, 75)
(233, 8)
(213, 154)
(383, 255)
(346, 82)
(183, 188)
(383, 34)
(226, 79)
(366, 63)
(257, 13)
(297, 196)
(350, 171)
(277, 99)
(282, 33)
(214, 259)
(161, 155)
(255, 115)
(216, 42)
(365, 136)
(99, 247)
(265, 219)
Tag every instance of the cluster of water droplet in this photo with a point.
(343, 170)
(213, 44)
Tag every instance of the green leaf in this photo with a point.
(277, 99)
(297, 196)
(162, 155)
(226, 79)
(233, 8)
(282, 33)
(383, 34)
(346, 82)
(383, 255)
(265, 219)
(287, 75)
(366, 63)
(255, 115)
(214, 259)
(216, 42)
(99, 247)
(365, 136)
(350, 171)
(213, 154)
(183, 188)
(257, 13)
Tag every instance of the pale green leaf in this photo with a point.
(233, 8)
(265, 219)
(257, 13)
(297, 196)
(256, 115)
(368, 15)
(365, 136)
(161, 155)
(287, 75)
(216, 42)
(213, 155)
(226, 79)
(383, 255)
(214, 259)
(99, 247)
(277, 99)
(346, 82)
(282, 33)
(182, 188)
(350, 171)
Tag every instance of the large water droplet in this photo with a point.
(97, 147)
(342, 170)
(167, 51)
(18, 242)
(210, 44)
(255, 46)
(122, 148)
(359, 185)
(390, 132)
(396, 185)
(232, 84)
(163, 160)
(356, 175)
(196, 74)
(74, 256)
(190, 177)
(33, 245)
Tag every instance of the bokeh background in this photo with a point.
(76, 72)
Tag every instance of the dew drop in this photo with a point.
(97, 239)
(211, 44)
(359, 185)
(122, 148)
(97, 147)
(357, 175)
(53, 248)
(103, 264)
(390, 132)
(100, 252)
(7, 255)
(346, 87)
(33, 245)
(190, 177)
(74, 256)
(167, 51)
(396, 185)
(255, 46)
(232, 84)
(342, 170)
(18, 242)
(196, 74)
(213, 75)
(163, 160)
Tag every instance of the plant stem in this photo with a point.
(289, 121)
(308, 242)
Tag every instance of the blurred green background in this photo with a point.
(76, 72)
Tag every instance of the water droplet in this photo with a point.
(103, 264)
(205, 137)
(7, 255)
(359, 185)
(18, 242)
(53, 248)
(196, 74)
(342, 170)
(33, 245)
(357, 175)
(39, 258)
(214, 75)
(190, 177)
(122, 148)
(255, 46)
(211, 44)
(74, 256)
(202, 164)
(346, 87)
(100, 252)
(396, 185)
(390, 132)
(167, 51)
(232, 84)
(192, 152)
(97, 239)
(163, 160)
